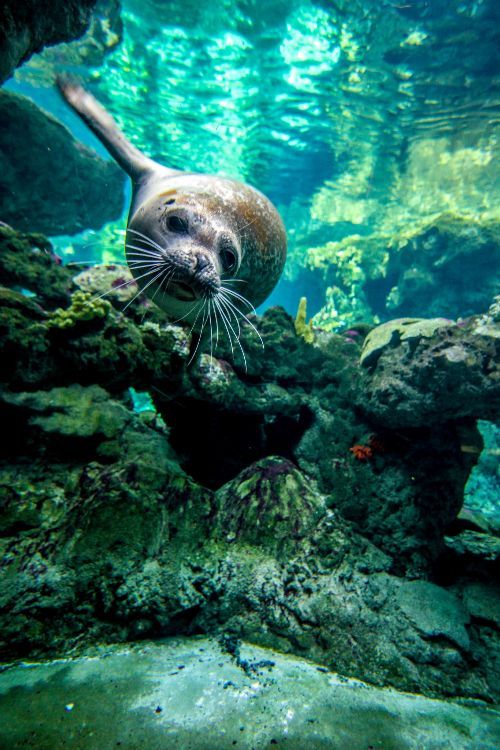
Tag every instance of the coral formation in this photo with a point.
(84, 308)
(302, 327)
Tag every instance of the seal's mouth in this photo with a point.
(182, 291)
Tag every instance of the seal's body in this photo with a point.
(202, 247)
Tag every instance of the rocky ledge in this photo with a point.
(269, 501)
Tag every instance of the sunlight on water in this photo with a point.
(366, 124)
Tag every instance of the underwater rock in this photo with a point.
(452, 374)
(270, 505)
(114, 282)
(27, 27)
(474, 544)
(104, 34)
(194, 693)
(391, 333)
(445, 264)
(434, 611)
(258, 503)
(294, 400)
(51, 183)
(105, 530)
(74, 411)
(29, 265)
(483, 601)
(451, 268)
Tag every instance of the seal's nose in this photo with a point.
(203, 262)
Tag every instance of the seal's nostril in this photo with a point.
(202, 263)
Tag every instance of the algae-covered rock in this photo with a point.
(114, 281)
(270, 504)
(29, 265)
(391, 333)
(449, 372)
(83, 309)
(51, 183)
(73, 411)
(235, 505)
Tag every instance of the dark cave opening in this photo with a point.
(214, 446)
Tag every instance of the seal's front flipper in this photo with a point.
(130, 159)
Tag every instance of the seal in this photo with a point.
(205, 249)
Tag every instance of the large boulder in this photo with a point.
(423, 372)
(50, 182)
(28, 26)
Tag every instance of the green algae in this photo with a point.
(83, 309)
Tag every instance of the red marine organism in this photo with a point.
(361, 452)
(366, 452)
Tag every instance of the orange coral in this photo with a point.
(361, 452)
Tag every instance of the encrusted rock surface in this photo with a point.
(416, 378)
(52, 183)
(265, 502)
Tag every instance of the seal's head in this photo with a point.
(189, 245)
(203, 248)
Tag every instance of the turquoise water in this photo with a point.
(364, 122)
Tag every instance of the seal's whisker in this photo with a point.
(237, 339)
(149, 258)
(230, 314)
(138, 264)
(191, 309)
(165, 275)
(201, 306)
(216, 301)
(237, 310)
(95, 263)
(144, 251)
(168, 279)
(240, 297)
(216, 325)
(132, 280)
(147, 239)
(143, 289)
(193, 355)
(209, 301)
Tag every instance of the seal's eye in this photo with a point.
(228, 258)
(177, 224)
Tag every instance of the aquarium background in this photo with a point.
(333, 495)
(373, 126)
